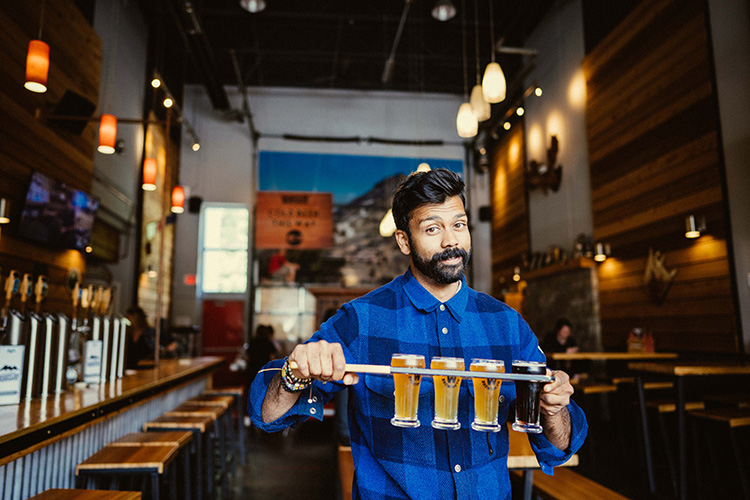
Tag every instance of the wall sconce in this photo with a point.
(107, 134)
(4, 211)
(517, 274)
(694, 226)
(545, 175)
(178, 200)
(149, 174)
(603, 251)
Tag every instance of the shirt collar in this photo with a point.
(425, 301)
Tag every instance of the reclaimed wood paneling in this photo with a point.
(654, 151)
(510, 219)
(28, 143)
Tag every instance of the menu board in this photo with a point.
(298, 220)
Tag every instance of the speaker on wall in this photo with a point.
(194, 204)
(77, 107)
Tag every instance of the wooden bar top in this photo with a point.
(604, 356)
(78, 406)
(70, 494)
(689, 368)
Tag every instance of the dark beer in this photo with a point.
(527, 397)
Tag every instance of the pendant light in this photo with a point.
(107, 134)
(493, 83)
(37, 62)
(466, 123)
(443, 10)
(178, 200)
(481, 108)
(4, 211)
(149, 174)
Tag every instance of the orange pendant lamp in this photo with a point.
(178, 200)
(37, 66)
(107, 134)
(149, 174)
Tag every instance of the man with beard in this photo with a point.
(429, 310)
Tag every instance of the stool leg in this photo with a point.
(668, 452)
(241, 431)
(173, 480)
(646, 437)
(155, 485)
(738, 460)
(186, 473)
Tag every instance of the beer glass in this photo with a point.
(486, 395)
(407, 390)
(527, 397)
(446, 393)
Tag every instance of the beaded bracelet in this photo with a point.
(289, 382)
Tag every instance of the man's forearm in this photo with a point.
(277, 401)
(557, 429)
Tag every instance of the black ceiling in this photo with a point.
(337, 44)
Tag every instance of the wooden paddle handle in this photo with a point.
(353, 368)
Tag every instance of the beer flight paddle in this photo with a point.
(429, 372)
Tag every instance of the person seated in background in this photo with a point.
(142, 339)
(281, 269)
(260, 351)
(560, 339)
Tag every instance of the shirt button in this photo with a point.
(442, 307)
(445, 330)
(502, 398)
(312, 411)
(457, 468)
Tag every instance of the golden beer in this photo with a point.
(446, 393)
(406, 390)
(486, 395)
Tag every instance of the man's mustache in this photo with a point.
(449, 253)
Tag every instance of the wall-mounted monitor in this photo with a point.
(56, 215)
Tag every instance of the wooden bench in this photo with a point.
(567, 484)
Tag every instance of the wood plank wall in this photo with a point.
(510, 219)
(29, 144)
(654, 152)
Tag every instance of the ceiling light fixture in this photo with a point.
(149, 174)
(107, 134)
(178, 200)
(4, 211)
(694, 226)
(444, 10)
(37, 62)
(466, 123)
(493, 82)
(481, 108)
(253, 6)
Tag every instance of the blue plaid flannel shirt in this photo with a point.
(423, 463)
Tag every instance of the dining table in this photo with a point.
(680, 372)
(521, 457)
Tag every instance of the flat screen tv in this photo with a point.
(56, 215)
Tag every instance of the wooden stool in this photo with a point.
(227, 402)
(238, 393)
(181, 439)
(346, 471)
(70, 494)
(220, 427)
(198, 425)
(729, 419)
(125, 461)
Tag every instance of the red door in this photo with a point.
(223, 336)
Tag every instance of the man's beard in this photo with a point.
(437, 271)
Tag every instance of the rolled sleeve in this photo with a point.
(550, 456)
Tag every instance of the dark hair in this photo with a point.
(424, 188)
(561, 323)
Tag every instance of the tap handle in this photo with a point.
(27, 287)
(41, 288)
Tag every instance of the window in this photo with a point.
(223, 248)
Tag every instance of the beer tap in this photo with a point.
(12, 284)
(40, 291)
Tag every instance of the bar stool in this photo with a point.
(238, 393)
(73, 494)
(226, 402)
(198, 425)
(181, 439)
(218, 412)
(118, 462)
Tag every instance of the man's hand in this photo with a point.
(321, 361)
(554, 407)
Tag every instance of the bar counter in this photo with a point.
(42, 440)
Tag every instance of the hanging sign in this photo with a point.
(294, 220)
